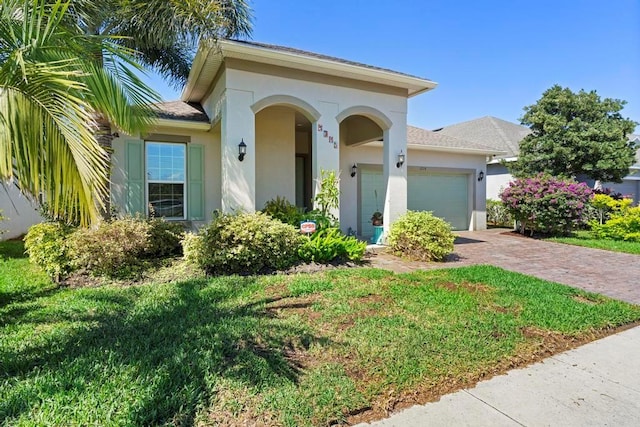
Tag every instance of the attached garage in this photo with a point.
(446, 193)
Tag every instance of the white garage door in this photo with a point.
(446, 194)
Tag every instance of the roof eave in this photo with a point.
(182, 124)
(231, 49)
(457, 150)
(478, 151)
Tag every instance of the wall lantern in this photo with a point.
(480, 176)
(242, 150)
(400, 160)
(354, 170)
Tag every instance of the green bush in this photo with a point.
(48, 247)
(622, 225)
(498, 214)
(245, 243)
(330, 244)
(114, 249)
(164, 238)
(422, 236)
(193, 248)
(605, 206)
(282, 210)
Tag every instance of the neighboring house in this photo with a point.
(499, 134)
(503, 135)
(296, 113)
(19, 211)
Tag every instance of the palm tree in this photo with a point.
(51, 85)
(164, 34)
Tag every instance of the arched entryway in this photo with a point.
(283, 128)
(362, 134)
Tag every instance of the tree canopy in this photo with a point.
(164, 34)
(576, 134)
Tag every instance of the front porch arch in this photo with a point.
(298, 104)
(376, 116)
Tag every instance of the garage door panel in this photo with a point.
(446, 195)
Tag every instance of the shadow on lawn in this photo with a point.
(165, 358)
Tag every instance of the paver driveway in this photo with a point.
(610, 273)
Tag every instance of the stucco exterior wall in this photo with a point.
(275, 155)
(19, 211)
(372, 155)
(498, 177)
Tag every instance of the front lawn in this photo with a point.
(583, 238)
(311, 349)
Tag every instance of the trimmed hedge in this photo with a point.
(421, 236)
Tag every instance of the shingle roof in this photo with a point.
(422, 137)
(490, 131)
(179, 110)
(321, 56)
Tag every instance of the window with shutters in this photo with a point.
(166, 165)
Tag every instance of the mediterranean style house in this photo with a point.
(258, 121)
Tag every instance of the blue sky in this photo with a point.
(489, 57)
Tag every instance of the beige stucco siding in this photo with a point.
(275, 155)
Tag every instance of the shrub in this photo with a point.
(164, 239)
(193, 248)
(422, 236)
(47, 246)
(546, 204)
(330, 244)
(114, 249)
(282, 210)
(328, 195)
(245, 243)
(605, 205)
(498, 214)
(623, 225)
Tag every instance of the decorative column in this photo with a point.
(238, 177)
(395, 178)
(325, 145)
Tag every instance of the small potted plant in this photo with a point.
(376, 218)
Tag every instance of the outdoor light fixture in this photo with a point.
(400, 160)
(242, 150)
(354, 170)
(480, 176)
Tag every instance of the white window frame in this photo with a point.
(147, 181)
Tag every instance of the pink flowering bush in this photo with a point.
(546, 204)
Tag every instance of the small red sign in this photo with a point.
(308, 227)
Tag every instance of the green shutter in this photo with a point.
(135, 176)
(195, 192)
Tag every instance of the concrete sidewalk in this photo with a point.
(597, 384)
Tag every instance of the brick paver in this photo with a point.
(609, 273)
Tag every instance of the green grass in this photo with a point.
(283, 350)
(583, 238)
